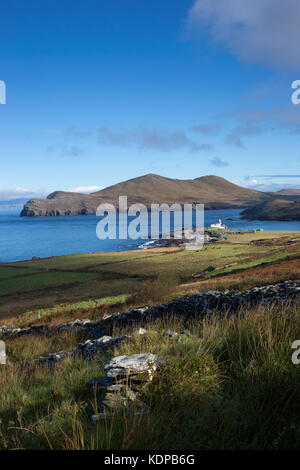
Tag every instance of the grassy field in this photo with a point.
(6, 272)
(231, 385)
(44, 283)
(42, 280)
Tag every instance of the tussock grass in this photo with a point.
(232, 385)
(161, 289)
(26, 348)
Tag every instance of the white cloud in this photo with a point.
(22, 193)
(265, 183)
(86, 189)
(256, 31)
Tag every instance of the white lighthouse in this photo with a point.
(219, 226)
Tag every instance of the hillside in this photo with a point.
(213, 191)
(289, 192)
(275, 209)
(214, 333)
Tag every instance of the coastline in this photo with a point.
(25, 238)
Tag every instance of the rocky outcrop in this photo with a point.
(5, 330)
(125, 377)
(61, 204)
(136, 365)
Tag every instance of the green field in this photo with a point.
(6, 272)
(44, 283)
(42, 280)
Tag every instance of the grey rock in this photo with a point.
(133, 365)
(172, 334)
(87, 350)
(101, 382)
(119, 399)
(140, 331)
(90, 348)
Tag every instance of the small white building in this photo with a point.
(219, 226)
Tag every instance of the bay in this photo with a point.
(21, 238)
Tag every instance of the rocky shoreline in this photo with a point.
(177, 238)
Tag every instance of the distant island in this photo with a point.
(213, 191)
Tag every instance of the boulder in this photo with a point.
(133, 365)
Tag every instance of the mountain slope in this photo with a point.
(274, 209)
(289, 192)
(213, 191)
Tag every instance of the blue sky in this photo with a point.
(99, 92)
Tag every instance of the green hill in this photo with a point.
(213, 191)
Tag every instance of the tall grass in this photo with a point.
(231, 385)
(161, 289)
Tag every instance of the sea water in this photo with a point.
(21, 238)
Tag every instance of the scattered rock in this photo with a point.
(179, 336)
(87, 350)
(121, 398)
(172, 334)
(124, 371)
(138, 365)
(52, 359)
(101, 382)
(90, 348)
(140, 331)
